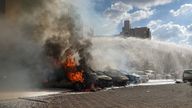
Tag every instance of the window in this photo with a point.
(188, 71)
(2, 6)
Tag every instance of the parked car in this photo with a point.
(143, 76)
(133, 79)
(103, 80)
(118, 78)
(187, 76)
(151, 74)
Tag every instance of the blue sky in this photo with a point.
(169, 20)
(163, 13)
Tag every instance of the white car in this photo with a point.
(143, 77)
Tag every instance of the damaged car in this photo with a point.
(103, 80)
(118, 78)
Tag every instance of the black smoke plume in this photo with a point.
(27, 36)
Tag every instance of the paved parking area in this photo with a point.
(162, 96)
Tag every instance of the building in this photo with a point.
(142, 32)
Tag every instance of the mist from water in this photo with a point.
(131, 55)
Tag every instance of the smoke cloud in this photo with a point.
(20, 58)
(132, 55)
(23, 36)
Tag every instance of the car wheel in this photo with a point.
(185, 81)
(78, 87)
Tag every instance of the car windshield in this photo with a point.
(188, 71)
(100, 73)
(140, 73)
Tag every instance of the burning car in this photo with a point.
(66, 74)
(118, 78)
(66, 70)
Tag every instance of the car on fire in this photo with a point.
(58, 79)
(118, 78)
(187, 76)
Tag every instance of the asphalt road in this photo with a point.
(162, 96)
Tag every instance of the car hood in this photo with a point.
(104, 77)
(120, 78)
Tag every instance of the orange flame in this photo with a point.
(72, 73)
(75, 77)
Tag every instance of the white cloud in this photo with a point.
(189, 28)
(171, 32)
(154, 24)
(141, 14)
(120, 6)
(133, 10)
(143, 4)
(183, 10)
(120, 11)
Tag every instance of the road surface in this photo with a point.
(160, 96)
(5, 95)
